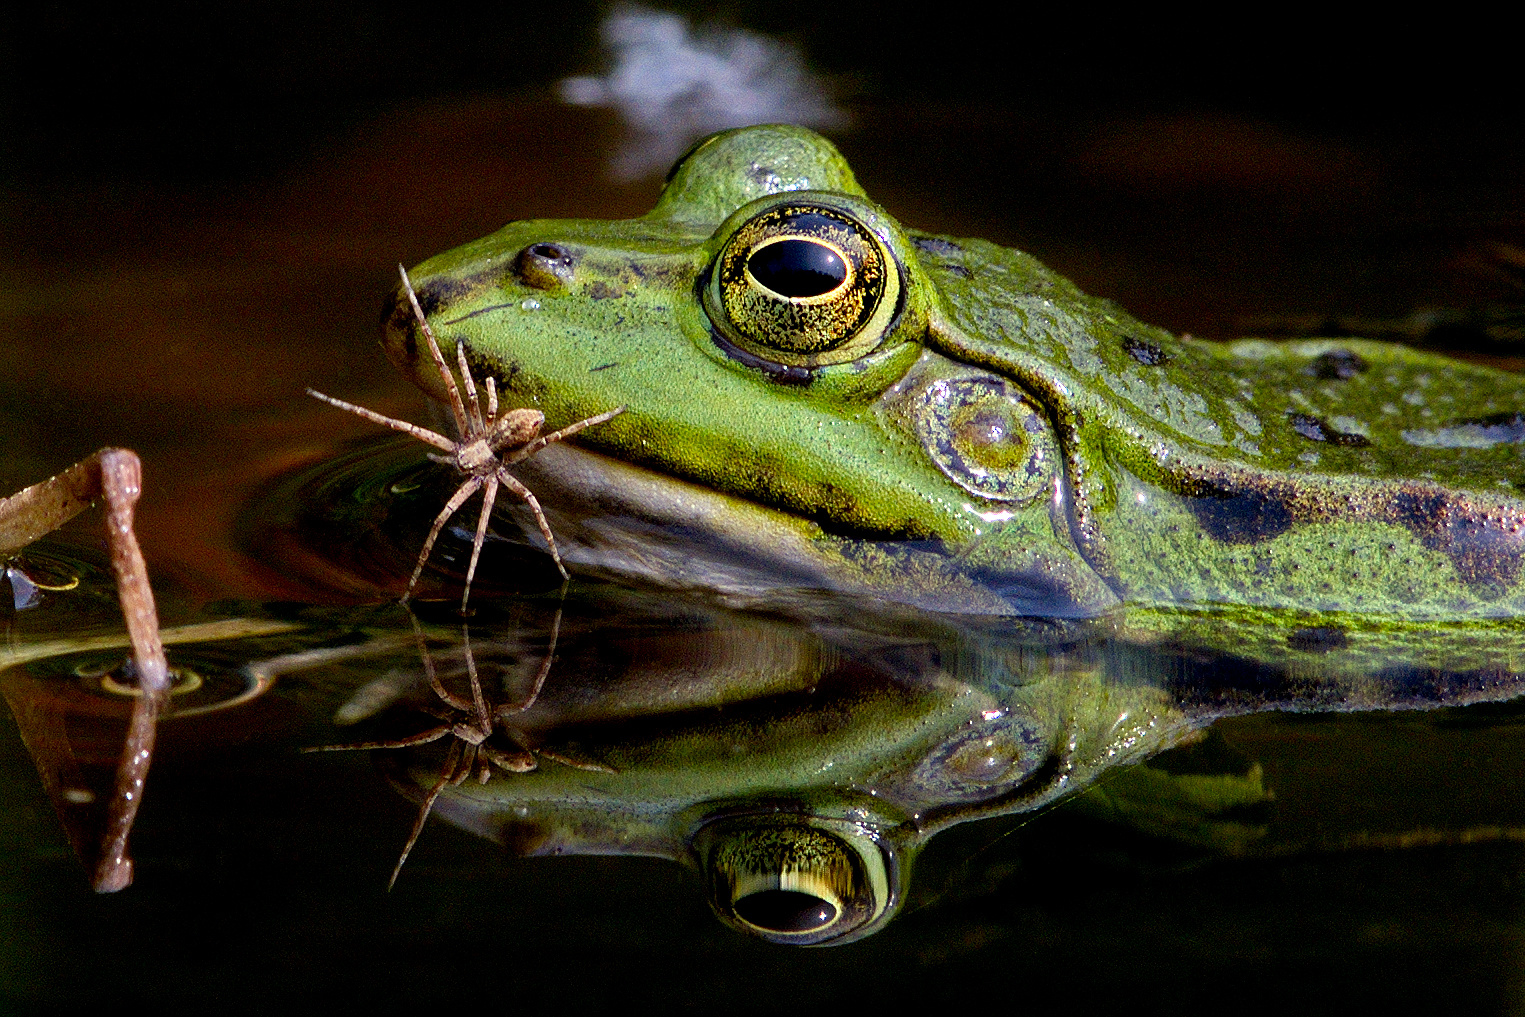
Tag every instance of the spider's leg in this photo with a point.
(492, 401)
(534, 504)
(422, 738)
(421, 433)
(423, 811)
(473, 404)
(476, 683)
(576, 764)
(463, 768)
(566, 432)
(545, 669)
(446, 696)
(458, 499)
(456, 407)
(489, 495)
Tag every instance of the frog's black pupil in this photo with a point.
(550, 252)
(785, 910)
(797, 268)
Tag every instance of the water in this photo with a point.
(186, 325)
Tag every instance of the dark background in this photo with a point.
(1215, 176)
(200, 92)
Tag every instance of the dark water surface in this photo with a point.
(184, 322)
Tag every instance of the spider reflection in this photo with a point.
(483, 735)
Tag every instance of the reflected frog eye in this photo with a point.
(804, 285)
(794, 879)
(794, 269)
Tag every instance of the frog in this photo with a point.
(825, 405)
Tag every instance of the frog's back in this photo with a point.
(1330, 406)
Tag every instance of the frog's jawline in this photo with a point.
(635, 524)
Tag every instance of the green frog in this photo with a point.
(822, 400)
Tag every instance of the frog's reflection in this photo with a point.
(800, 759)
(802, 768)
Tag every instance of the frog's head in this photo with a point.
(819, 398)
(766, 327)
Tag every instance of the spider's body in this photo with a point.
(488, 445)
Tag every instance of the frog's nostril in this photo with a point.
(545, 266)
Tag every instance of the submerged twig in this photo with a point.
(116, 475)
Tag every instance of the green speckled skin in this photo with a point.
(1361, 492)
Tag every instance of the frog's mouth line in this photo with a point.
(633, 523)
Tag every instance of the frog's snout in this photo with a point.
(399, 335)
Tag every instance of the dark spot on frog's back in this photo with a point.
(1499, 427)
(440, 291)
(600, 290)
(1318, 639)
(1336, 365)
(936, 245)
(1146, 353)
(523, 837)
(1486, 543)
(1239, 515)
(1315, 429)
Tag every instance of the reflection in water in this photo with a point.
(469, 726)
(800, 767)
(114, 476)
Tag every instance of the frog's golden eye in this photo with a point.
(795, 879)
(804, 285)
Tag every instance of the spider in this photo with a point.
(470, 722)
(488, 446)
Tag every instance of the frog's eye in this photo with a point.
(799, 880)
(804, 285)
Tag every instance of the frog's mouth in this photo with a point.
(620, 520)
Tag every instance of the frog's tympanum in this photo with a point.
(821, 399)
